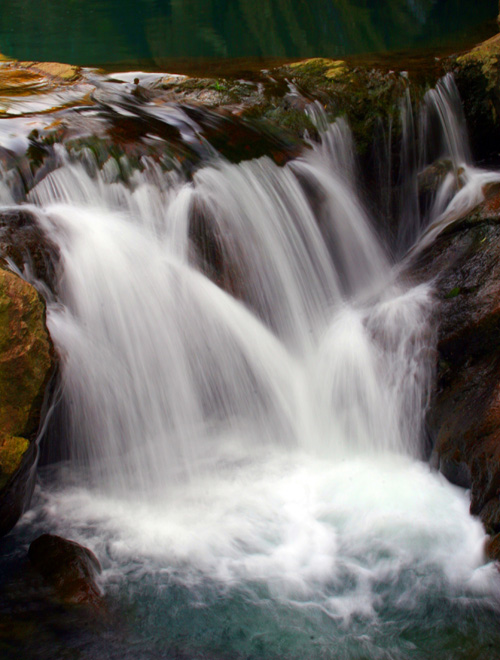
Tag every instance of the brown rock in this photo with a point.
(22, 241)
(492, 548)
(70, 569)
(64, 72)
(490, 516)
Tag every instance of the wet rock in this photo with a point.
(54, 70)
(23, 242)
(492, 548)
(241, 139)
(490, 516)
(430, 180)
(70, 568)
(364, 95)
(14, 73)
(464, 265)
(477, 74)
(25, 365)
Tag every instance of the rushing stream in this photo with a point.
(247, 446)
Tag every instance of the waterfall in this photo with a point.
(245, 377)
(289, 333)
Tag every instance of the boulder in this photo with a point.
(25, 365)
(70, 568)
(464, 264)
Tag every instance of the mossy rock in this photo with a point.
(12, 450)
(477, 74)
(320, 66)
(486, 56)
(363, 94)
(25, 364)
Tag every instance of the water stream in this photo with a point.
(246, 423)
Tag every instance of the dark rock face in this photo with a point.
(477, 74)
(464, 265)
(70, 569)
(22, 241)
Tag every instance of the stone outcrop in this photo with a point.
(25, 365)
(464, 266)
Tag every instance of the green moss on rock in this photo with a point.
(486, 57)
(25, 362)
(12, 450)
(477, 74)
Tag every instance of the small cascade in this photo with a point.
(443, 132)
(410, 224)
(439, 182)
(195, 318)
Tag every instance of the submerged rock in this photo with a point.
(25, 364)
(464, 265)
(70, 568)
(53, 70)
(35, 86)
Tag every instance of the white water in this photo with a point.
(442, 139)
(265, 436)
(166, 372)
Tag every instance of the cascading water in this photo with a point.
(246, 380)
(442, 144)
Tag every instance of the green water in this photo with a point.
(106, 32)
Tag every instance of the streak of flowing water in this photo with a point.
(165, 370)
(442, 145)
(246, 384)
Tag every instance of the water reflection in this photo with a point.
(96, 32)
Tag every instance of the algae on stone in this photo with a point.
(25, 361)
(485, 55)
(12, 450)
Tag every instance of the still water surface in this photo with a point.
(106, 32)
